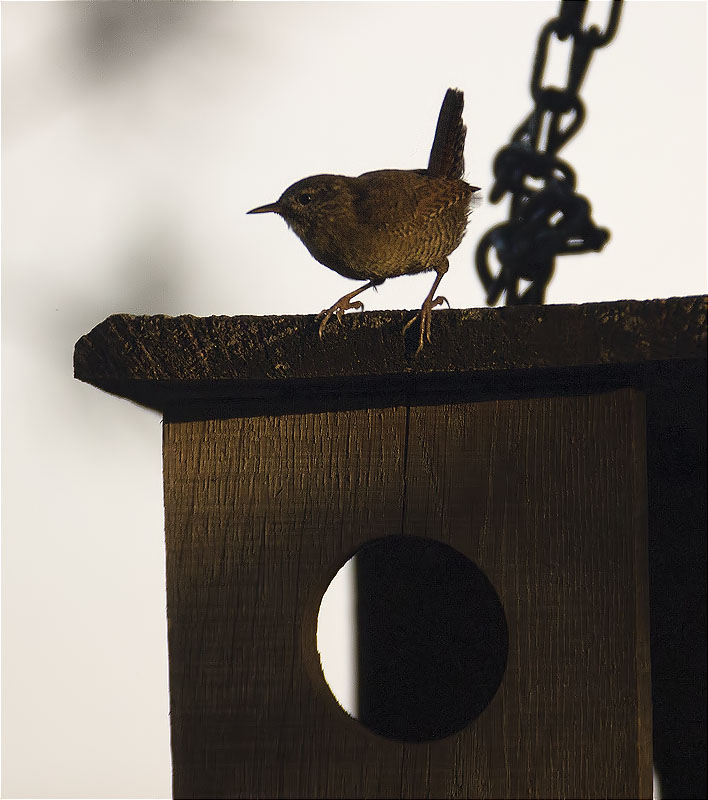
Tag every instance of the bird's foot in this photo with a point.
(425, 315)
(343, 304)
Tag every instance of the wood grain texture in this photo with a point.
(161, 360)
(546, 495)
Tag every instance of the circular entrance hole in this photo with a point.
(427, 638)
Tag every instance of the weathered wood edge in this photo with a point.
(160, 360)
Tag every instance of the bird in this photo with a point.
(389, 222)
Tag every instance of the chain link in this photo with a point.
(551, 220)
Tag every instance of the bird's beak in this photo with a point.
(271, 207)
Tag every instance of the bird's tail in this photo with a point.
(447, 159)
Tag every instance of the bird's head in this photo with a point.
(311, 203)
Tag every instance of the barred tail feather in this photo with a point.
(447, 154)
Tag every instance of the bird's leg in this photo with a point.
(345, 303)
(428, 305)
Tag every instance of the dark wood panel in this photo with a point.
(547, 496)
(676, 458)
(260, 514)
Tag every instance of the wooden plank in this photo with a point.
(260, 514)
(546, 495)
(678, 519)
(160, 361)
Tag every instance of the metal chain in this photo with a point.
(551, 220)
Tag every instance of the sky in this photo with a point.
(134, 139)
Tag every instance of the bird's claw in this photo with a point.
(425, 315)
(338, 309)
(357, 305)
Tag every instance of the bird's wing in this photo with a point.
(394, 199)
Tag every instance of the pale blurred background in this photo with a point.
(134, 139)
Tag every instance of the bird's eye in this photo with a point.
(305, 198)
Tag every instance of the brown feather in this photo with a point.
(447, 158)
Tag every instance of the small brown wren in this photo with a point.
(387, 223)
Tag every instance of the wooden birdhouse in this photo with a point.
(500, 489)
